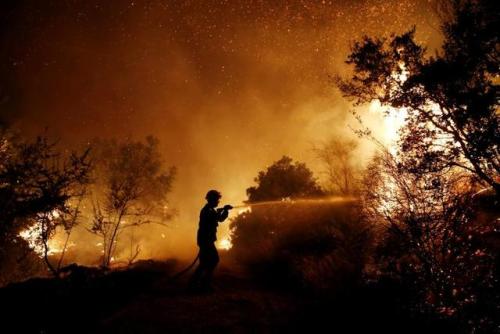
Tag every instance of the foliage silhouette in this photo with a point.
(318, 246)
(451, 98)
(36, 181)
(284, 179)
(422, 198)
(130, 189)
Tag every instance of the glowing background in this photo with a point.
(228, 87)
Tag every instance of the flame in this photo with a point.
(32, 235)
(225, 243)
(394, 120)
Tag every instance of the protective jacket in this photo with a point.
(209, 221)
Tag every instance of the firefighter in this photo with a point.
(210, 217)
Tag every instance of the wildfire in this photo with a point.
(225, 243)
(32, 235)
(394, 120)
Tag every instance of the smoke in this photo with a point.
(226, 87)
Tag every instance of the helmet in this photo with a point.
(212, 195)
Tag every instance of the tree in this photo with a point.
(451, 99)
(430, 238)
(36, 181)
(337, 156)
(284, 179)
(422, 197)
(46, 225)
(33, 180)
(69, 219)
(130, 189)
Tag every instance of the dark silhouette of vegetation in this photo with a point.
(46, 224)
(451, 98)
(315, 246)
(36, 181)
(284, 179)
(130, 189)
(18, 261)
(422, 198)
(430, 239)
(69, 220)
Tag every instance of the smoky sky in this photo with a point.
(227, 86)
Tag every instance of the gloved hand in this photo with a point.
(228, 207)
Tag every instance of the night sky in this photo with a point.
(227, 86)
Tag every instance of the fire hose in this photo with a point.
(188, 268)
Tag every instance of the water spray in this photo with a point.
(327, 200)
(286, 201)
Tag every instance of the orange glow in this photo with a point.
(224, 100)
(393, 121)
(225, 243)
(32, 235)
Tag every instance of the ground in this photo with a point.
(237, 305)
(145, 299)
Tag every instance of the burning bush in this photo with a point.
(420, 191)
(431, 241)
(36, 180)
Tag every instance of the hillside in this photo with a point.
(144, 299)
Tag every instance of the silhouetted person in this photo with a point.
(210, 217)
